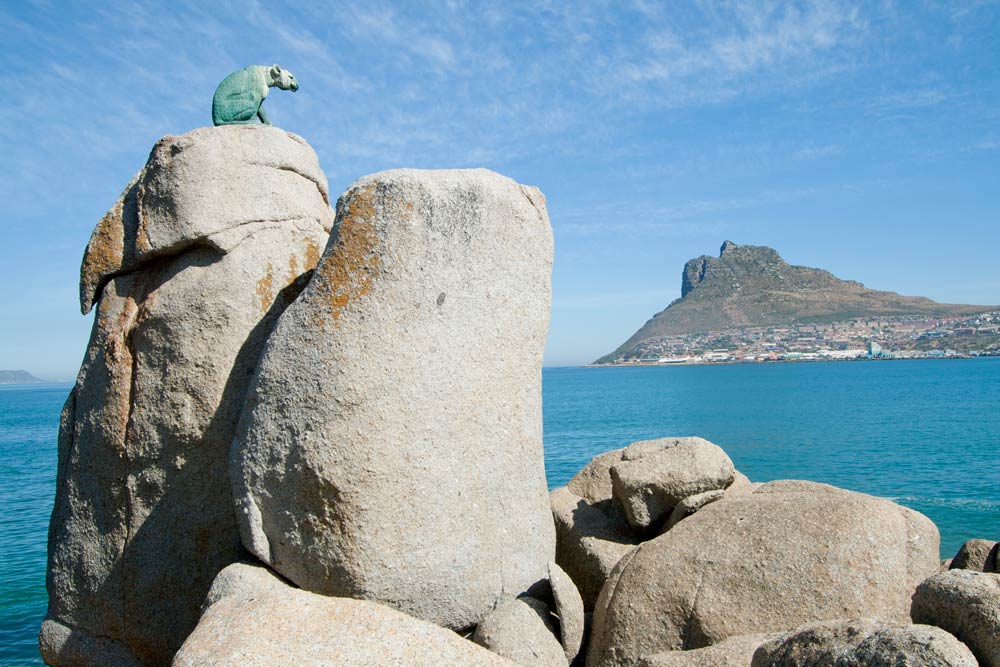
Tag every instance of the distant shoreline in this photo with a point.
(739, 362)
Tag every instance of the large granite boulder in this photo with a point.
(966, 603)
(189, 271)
(522, 630)
(979, 555)
(391, 444)
(864, 643)
(654, 476)
(254, 619)
(789, 553)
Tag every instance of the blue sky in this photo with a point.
(863, 138)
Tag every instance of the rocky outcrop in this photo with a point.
(789, 553)
(391, 443)
(272, 624)
(966, 603)
(864, 643)
(189, 270)
(622, 497)
(978, 555)
(522, 631)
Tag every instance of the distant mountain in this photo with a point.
(18, 377)
(752, 286)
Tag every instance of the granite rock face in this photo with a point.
(522, 631)
(966, 603)
(789, 553)
(265, 623)
(864, 643)
(391, 444)
(188, 276)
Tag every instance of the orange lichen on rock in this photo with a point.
(104, 254)
(265, 288)
(312, 254)
(347, 272)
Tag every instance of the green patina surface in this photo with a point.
(239, 98)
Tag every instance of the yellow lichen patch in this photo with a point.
(312, 254)
(142, 236)
(347, 272)
(104, 254)
(265, 289)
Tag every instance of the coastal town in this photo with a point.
(907, 337)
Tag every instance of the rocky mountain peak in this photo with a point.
(752, 286)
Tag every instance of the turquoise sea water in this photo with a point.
(925, 433)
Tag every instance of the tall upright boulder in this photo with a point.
(189, 270)
(391, 444)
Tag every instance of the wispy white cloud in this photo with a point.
(986, 145)
(727, 49)
(814, 152)
(693, 217)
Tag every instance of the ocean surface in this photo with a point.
(924, 433)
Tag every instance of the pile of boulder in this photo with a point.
(312, 436)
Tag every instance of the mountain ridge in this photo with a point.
(752, 286)
(18, 377)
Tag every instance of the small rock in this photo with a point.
(593, 482)
(655, 475)
(692, 504)
(245, 579)
(979, 555)
(61, 645)
(740, 486)
(733, 652)
(569, 609)
(966, 603)
(864, 643)
(590, 540)
(522, 630)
